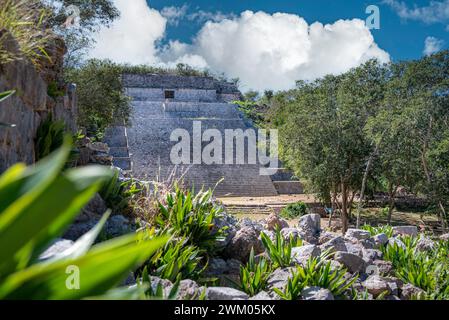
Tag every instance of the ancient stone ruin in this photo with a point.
(165, 103)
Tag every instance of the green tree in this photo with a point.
(101, 98)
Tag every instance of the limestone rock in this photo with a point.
(188, 289)
(425, 244)
(380, 239)
(352, 262)
(326, 236)
(377, 285)
(279, 278)
(240, 245)
(310, 223)
(406, 231)
(382, 267)
(274, 221)
(397, 242)
(301, 254)
(369, 255)
(357, 234)
(117, 226)
(409, 291)
(263, 295)
(316, 293)
(445, 237)
(334, 245)
(222, 293)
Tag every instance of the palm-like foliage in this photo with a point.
(280, 250)
(254, 276)
(317, 272)
(38, 203)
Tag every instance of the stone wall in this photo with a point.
(27, 109)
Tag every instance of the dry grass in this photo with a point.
(24, 21)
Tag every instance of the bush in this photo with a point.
(101, 99)
(317, 272)
(49, 137)
(24, 21)
(28, 227)
(193, 217)
(428, 270)
(280, 250)
(254, 276)
(294, 210)
(117, 193)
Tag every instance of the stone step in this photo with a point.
(123, 163)
(120, 152)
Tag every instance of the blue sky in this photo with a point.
(402, 38)
(271, 44)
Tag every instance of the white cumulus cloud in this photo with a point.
(432, 45)
(132, 38)
(266, 51)
(436, 11)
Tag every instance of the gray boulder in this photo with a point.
(274, 221)
(223, 293)
(300, 255)
(334, 245)
(406, 230)
(216, 266)
(380, 239)
(396, 242)
(425, 244)
(230, 223)
(369, 255)
(357, 234)
(279, 278)
(316, 293)
(382, 267)
(240, 245)
(354, 248)
(326, 236)
(310, 223)
(377, 285)
(117, 226)
(188, 290)
(409, 292)
(444, 237)
(352, 262)
(263, 295)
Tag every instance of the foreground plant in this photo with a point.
(191, 216)
(317, 272)
(280, 250)
(254, 276)
(387, 230)
(38, 204)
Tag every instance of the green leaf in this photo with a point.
(6, 95)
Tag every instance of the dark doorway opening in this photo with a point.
(169, 94)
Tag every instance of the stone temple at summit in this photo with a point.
(163, 104)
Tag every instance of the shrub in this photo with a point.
(317, 272)
(428, 270)
(101, 99)
(24, 21)
(117, 193)
(280, 250)
(254, 276)
(294, 210)
(28, 226)
(49, 137)
(388, 230)
(193, 217)
(176, 260)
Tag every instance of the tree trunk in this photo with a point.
(391, 194)
(344, 207)
(365, 178)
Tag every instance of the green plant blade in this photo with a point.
(100, 269)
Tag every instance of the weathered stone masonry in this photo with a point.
(163, 103)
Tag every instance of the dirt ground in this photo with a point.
(258, 208)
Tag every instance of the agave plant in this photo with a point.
(38, 204)
(254, 276)
(388, 230)
(192, 217)
(317, 272)
(280, 250)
